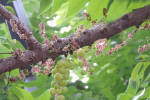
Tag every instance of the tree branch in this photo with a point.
(37, 52)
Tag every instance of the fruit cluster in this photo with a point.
(61, 74)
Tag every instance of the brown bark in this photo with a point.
(38, 52)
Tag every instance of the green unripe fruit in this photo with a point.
(60, 97)
(92, 69)
(74, 54)
(66, 64)
(80, 63)
(81, 53)
(52, 91)
(62, 70)
(63, 82)
(67, 71)
(64, 89)
(56, 86)
(67, 60)
(54, 71)
(59, 91)
(83, 72)
(66, 76)
(72, 65)
(53, 83)
(58, 77)
(59, 63)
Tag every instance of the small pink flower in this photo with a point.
(124, 43)
(55, 37)
(93, 23)
(130, 36)
(144, 47)
(118, 45)
(42, 27)
(149, 44)
(110, 52)
(140, 50)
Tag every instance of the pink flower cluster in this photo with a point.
(36, 69)
(22, 75)
(12, 79)
(87, 16)
(15, 29)
(42, 27)
(143, 48)
(100, 45)
(48, 65)
(130, 35)
(19, 53)
(66, 48)
(86, 65)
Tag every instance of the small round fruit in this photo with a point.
(74, 54)
(83, 72)
(53, 83)
(63, 82)
(66, 64)
(92, 69)
(81, 53)
(80, 63)
(52, 91)
(62, 70)
(66, 76)
(54, 71)
(59, 63)
(60, 97)
(72, 65)
(58, 77)
(56, 86)
(64, 89)
(59, 91)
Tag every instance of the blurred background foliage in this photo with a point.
(112, 73)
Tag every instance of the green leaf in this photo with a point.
(137, 4)
(124, 96)
(17, 92)
(44, 96)
(38, 92)
(13, 97)
(44, 6)
(2, 82)
(57, 4)
(1, 89)
(97, 8)
(10, 1)
(3, 96)
(15, 72)
(3, 49)
(34, 83)
(75, 6)
(27, 95)
(147, 73)
(135, 71)
(18, 44)
(10, 9)
(145, 65)
(116, 10)
(133, 86)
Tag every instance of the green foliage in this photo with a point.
(10, 1)
(121, 76)
(10, 9)
(44, 96)
(44, 6)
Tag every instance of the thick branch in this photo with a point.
(31, 41)
(87, 38)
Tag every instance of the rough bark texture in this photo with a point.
(37, 52)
